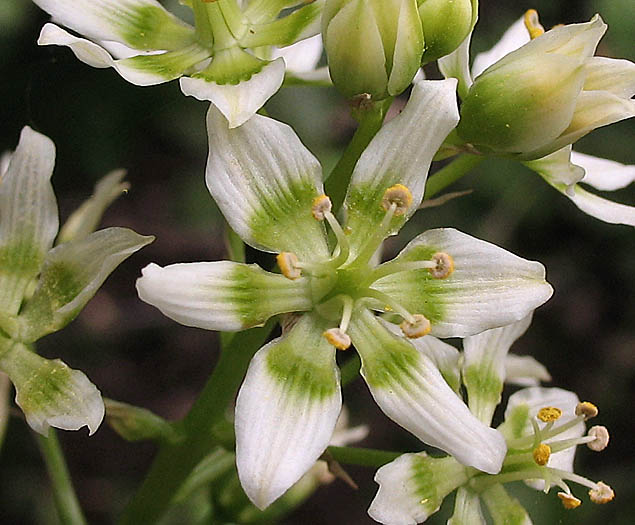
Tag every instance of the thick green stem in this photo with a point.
(370, 121)
(364, 457)
(63, 493)
(449, 174)
(175, 462)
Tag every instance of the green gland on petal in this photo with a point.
(446, 23)
(50, 393)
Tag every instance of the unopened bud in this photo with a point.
(373, 46)
(446, 23)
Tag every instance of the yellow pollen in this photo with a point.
(398, 195)
(541, 454)
(601, 494)
(338, 338)
(569, 501)
(288, 262)
(601, 435)
(548, 414)
(586, 409)
(419, 328)
(532, 23)
(444, 265)
(321, 205)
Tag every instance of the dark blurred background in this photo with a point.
(99, 122)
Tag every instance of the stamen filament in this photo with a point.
(527, 441)
(389, 301)
(563, 444)
(342, 241)
(347, 311)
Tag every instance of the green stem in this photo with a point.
(364, 457)
(175, 462)
(449, 174)
(370, 121)
(63, 493)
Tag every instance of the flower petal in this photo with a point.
(221, 295)
(28, 216)
(400, 153)
(604, 174)
(444, 356)
(265, 180)
(84, 220)
(515, 37)
(140, 24)
(50, 393)
(300, 24)
(412, 487)
(490, 287)
(411, 391)
(525, 404)
(595, 109)
(303, 56)
(484, 358)
(467, 509)
(503, 508)
(457, 65)
(610, 74)
(603, 209)
(558, 167)
(72, 273)
(141, 70)
(286, 410)
(524, 370)
(238, 102)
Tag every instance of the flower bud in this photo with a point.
(545, 95)
(446, 23)
(373, 46)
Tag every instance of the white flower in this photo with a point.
(269, 187)
(214, 60)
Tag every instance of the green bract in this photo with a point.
(269, 187)
(225, 58)
(374, 47)
(43, 288)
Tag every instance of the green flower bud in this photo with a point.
(546, 94)
(446, 23)
(374, 46)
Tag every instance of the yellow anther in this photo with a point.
(321, 205)
(288, 263)
(586, 409)
(420, 327)
(444, 265)
(602, 493)
(601, 435)
(338, 338)
(398, 195)
(569, 501)
(548, 414)
(532, 23)
(541, 454)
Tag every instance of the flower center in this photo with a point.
(528, 457)
(345, 282)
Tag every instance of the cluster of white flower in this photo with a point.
(529, 98)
